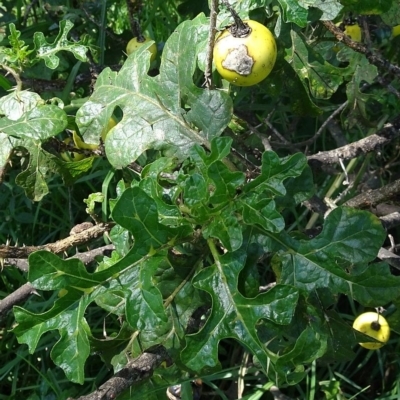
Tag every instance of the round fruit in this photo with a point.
(71, 156)
(375, 326)
(245, 61)
(353, 32)
(395, 31)
(133, 45)
(111, 123)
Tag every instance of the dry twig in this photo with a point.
(135, 372)
(56, 247)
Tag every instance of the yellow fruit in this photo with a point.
(245, 61)
(111, 123)
(71, 156)
(133, 45)
(395, 31)
(80, 144)
(354, 32)
(375, 326)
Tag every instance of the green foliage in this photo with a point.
(208, 231)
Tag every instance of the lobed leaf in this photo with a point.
(338, 258)
(233, 315)
(167, 112)
(47, 51)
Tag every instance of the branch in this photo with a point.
(363, 146)
(136, 371)
(21, 294)
(86, 257)
(210, 45)
(16, 297)
(390, 221)
(371, 198)
(375, 59)
(56, 247)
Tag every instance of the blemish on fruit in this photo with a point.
(239, 61)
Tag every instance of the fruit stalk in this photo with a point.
(239, 29)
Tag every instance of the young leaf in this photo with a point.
(47, 51)
(274, 171)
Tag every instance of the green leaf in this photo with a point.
(72, 349)
(220, 148)
(144, 306)
(137, 212)
(167, 112)
(338, 258)
(47, 51)
(233, 315)
(195, 190)
(256, 210)
(40, 123)
(302, 103)
(309, 346)
(367, 6)
(298, 189)
(330, 9)
(294, 12)
(322, 78)
(48, 271)
(19, 53)
(226, 182)
(274, 171)
(16, 104)
(225, 227)
(364, 72)
(34, 178)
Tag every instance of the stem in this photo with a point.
(171, 297)
(239, 28)
(214, 252)
(15, 75)
(376, 326)
(135, 26)
(211, 39)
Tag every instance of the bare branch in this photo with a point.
(21, 294)
(210, 45)
(56, 247)
(372, 198)
(363, 146)
(136, 371)
(16, 297)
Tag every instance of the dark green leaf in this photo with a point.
(233, 315)
(257, 210)
(225, 227)
(274, 171)
(338, 258)
(72, 349)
